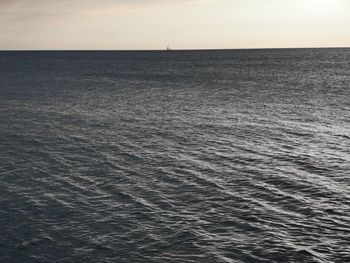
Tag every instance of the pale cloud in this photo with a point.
(152, 24)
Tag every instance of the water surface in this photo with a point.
(182, 156)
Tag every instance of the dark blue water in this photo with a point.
(182, 156)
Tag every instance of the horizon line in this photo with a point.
(173, 49)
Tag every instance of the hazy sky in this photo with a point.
(153, 24)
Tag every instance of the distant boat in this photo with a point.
(168, 48)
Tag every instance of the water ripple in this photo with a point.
(220, 156)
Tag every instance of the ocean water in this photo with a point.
(181, 156)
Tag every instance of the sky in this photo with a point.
(181, 24)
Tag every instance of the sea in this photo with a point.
(175, 156)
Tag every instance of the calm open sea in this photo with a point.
(180, 156)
